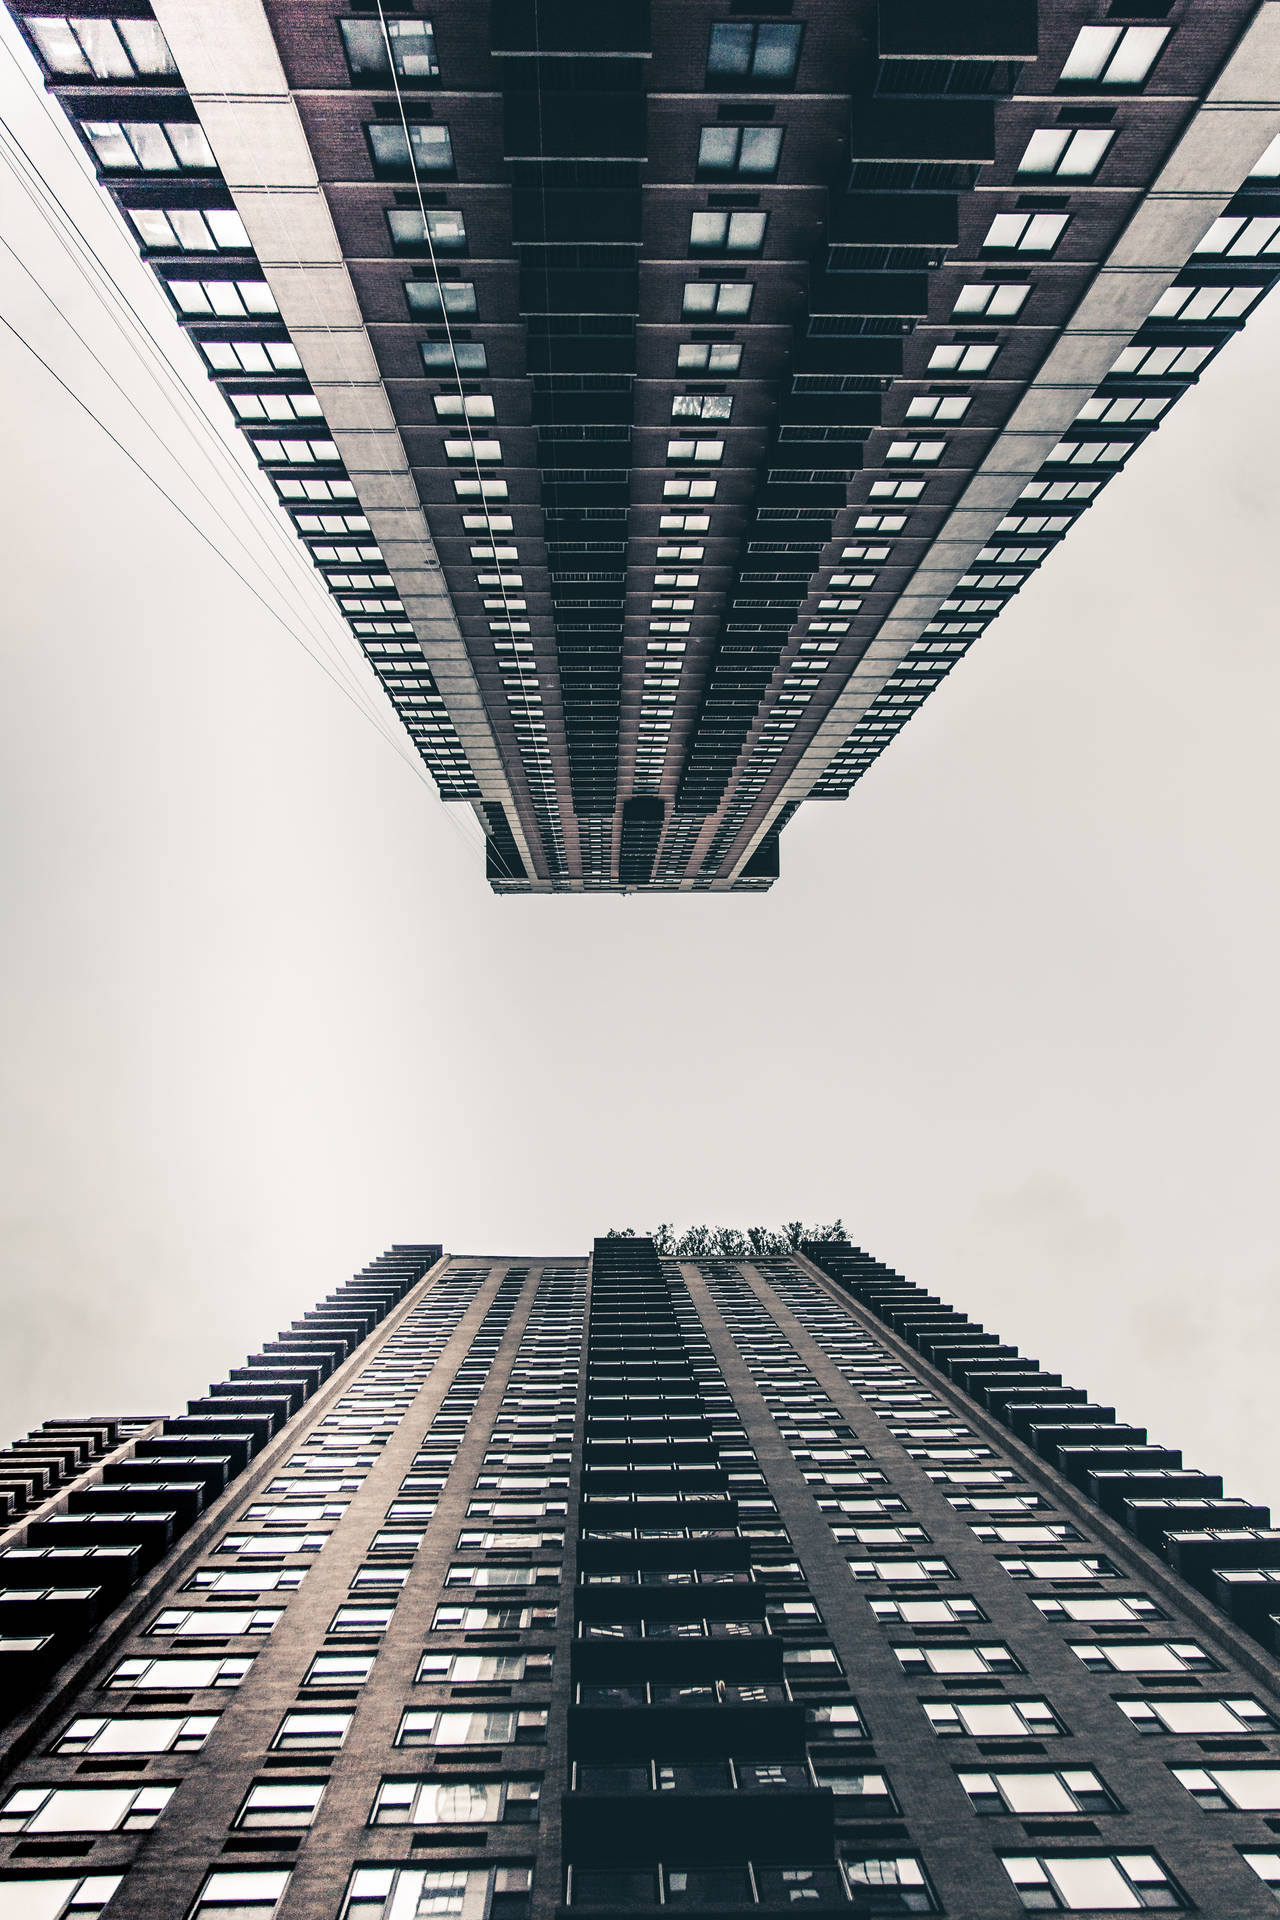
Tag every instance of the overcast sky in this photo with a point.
(1010, 1011)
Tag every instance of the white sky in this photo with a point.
(1010, 1011)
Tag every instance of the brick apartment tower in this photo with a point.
(505, 1590)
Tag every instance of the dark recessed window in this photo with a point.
(428, 147)
(413, 49)
(429, 299)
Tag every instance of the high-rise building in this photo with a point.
(670, 394)
(576, 1589)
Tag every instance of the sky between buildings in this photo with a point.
(1011, 1010)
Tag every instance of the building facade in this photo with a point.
(569, 1589)
(670, 394)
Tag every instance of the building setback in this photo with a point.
(670, 394)
(512, 1590)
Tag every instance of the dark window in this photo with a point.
(764, 55)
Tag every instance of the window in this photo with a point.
(900, 1570)
(449, 1803)
(438, 230)
(994, 1720)
(1197, 1716)
(25, 1897)
(1156, 1656)
(701, 452)
(929, 1613)
(893, 1884)
(1239, 238)
(413, 49)
(1153, 363)
(83, 1809)
(497, 1727)
(470, 1668)
(766, 54)
(1025, 232)
(958, 1660)
(251, 356)
(280, 1803)
(727, 232)
(105, 49)
(446, 1893)
(701, 406)
(215, 1623)
(427, 146)
(311, 1732)
(190, 229)
(241, 1896)
(750, 153)
(453, 406)
(962, 359)
(1089, 1882)
(361, 1620)
(1113, 56)
(723, 298)
(1066, 154)
(140, 1733)
(491, 1619)
(156, 147)
(1035, 1790)
(428, 301)
(1205, 303)
(1121, 1609)
(1266, 1866)
(462, 356)
(157, 1675)
(1091, 453)
(339, 1670)
(930, 406)
(997, 299)
(838, 1721)
(1247, 1789)
(700, 359)
(920, 452)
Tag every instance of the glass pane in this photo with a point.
(777, 50)
(61, 50)
(1084, 1883)
(729, 55)
(106, 51)
(148, 46)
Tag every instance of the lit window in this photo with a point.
(339, 1670)
(190, 229)
(994, 1719)
(280, 1803)
(689, 490)
(765, 54)
(25, 1897)
(929, 1613)
(430, 147)
(1247, 1789)
(700, 359)
(727, 232)
(487, 451)
(83, 1809)
(720, 297)
(214, 1623)
(235, 1895)
(1113, 56)
(413, 49)
(171, 147)
(139, 1733)
(434, 1803)
(1090, 1882)
(106, 49)
(1025, 232)
(1266, 1866)
(1066, 154)
(962, 359)
(439, 230)
(290, 407)
(896, 490)
(429, 300)
(752, 153)
(1090, 453)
